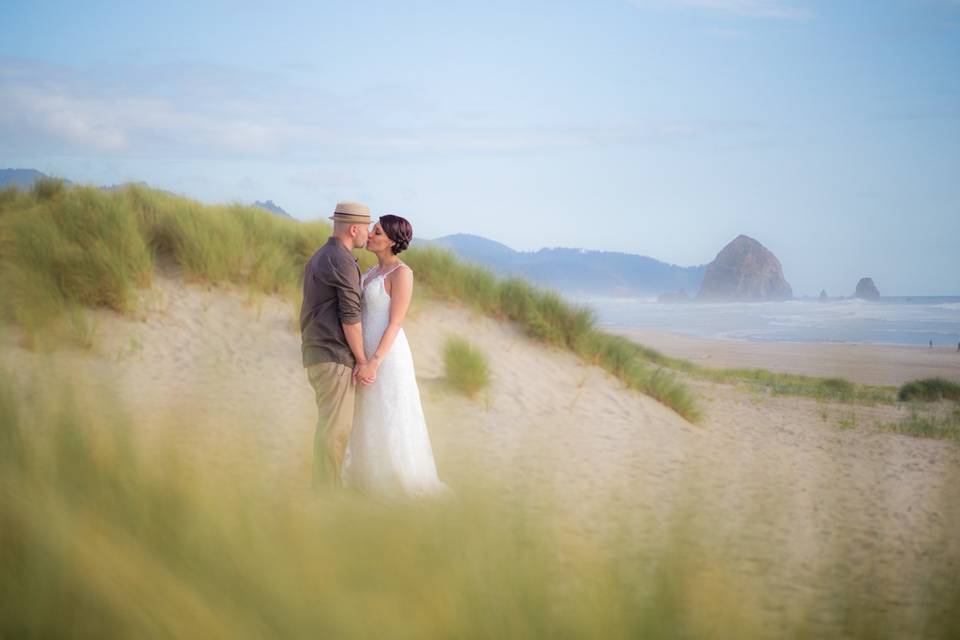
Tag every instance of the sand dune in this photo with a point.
(222, 370)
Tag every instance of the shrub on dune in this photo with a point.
(929, 390)
(466, 366)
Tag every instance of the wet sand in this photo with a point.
(864, 363)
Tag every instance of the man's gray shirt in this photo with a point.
(331, 295)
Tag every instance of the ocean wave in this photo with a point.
(891, 321)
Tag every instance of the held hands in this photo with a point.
(360, 375)
(365, 373)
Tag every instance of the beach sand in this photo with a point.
(780, 479)
(864, 363)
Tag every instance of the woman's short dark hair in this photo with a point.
(398, 230)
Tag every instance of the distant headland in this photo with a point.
(743, 271)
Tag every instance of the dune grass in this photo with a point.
(232, 243)
(547, 317)
(87, 246)
(788, 384)
(109, 242)
(101, 537)
(929, 390)
(60, 250)
(466, 366)
(63, 249)
(938, 422)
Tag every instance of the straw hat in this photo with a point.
(352, 212)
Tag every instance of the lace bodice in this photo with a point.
(375, 300)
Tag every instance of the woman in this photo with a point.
(389, 451)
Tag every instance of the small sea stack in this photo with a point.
(866, 290)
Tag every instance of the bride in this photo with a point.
(389, 452)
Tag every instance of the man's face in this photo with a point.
(360, 236)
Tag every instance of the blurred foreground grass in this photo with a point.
(103, 537)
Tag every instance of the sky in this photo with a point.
(829, 131)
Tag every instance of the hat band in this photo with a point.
(351, 216)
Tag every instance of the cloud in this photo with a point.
(55, 116)
(63, 110)
(766, 9)
(224, 113)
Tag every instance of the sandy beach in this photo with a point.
(219, 371)
(864, 363)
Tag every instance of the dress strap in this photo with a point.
(363, 278)
(395, 267)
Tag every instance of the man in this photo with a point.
(331, 337)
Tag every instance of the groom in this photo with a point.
(331, 337)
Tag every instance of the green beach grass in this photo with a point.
(930, 420)
(83, 247)
(64, 249)
(466, 366)
(929, 390)
(545, 316)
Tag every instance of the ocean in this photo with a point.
(891, 320)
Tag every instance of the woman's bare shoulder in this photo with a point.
(401, 274)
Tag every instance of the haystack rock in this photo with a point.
(823, 295)
(866, 290)
(745, 270)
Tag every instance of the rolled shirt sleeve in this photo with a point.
(345, 278)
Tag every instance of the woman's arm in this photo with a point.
(401, 291)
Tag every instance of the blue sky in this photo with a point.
(829, 131)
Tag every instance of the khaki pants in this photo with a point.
(333, 386)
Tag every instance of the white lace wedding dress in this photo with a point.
(389, 452)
